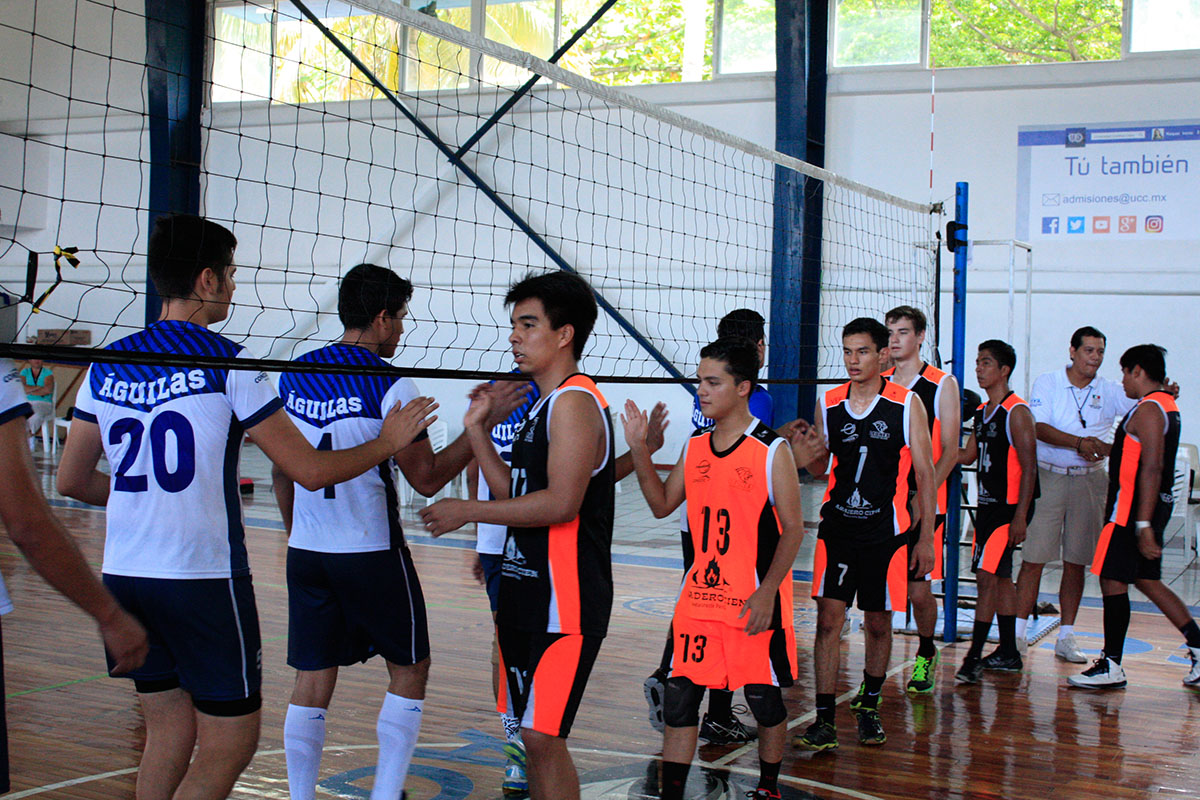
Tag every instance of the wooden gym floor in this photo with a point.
(75, 733)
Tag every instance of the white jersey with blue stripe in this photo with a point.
(490, 538)
(13, 405)
(173, 437)
(337, 412)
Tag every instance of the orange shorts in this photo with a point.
(720, 656)
(545, 676)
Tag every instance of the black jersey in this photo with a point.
(1125, 458)
(558, 578)
(999, 469)
(870, 462)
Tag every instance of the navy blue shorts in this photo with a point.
(203, 637)
(492, 562)
(344, 608)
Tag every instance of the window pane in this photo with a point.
(870, 32)
(1165, 25)
(656, 41)
(311, 69)
(972, 33)
(241, 67)
(527, 25)
(747, 36)
(434, 63)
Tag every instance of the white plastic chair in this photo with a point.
(1186, 467)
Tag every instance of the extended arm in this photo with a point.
(285, 495)
(808, 442)
(654, 440)
(970, 451)
(786, 486)
(576, 448)
(315, 469)
(1025, 442)
(663, 498)
(77, 473)
(52, 552)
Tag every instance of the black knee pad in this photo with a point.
(681, 706)
(766, 704)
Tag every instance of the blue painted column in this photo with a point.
(957, 241)
(800, 82)
(174, 96)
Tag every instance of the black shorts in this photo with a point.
(939, 549)
(344, 608)
(877, 574)
(545, 676)
(203, 638)
(1118, 557)
(991, 550)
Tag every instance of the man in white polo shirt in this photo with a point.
(1074, 408)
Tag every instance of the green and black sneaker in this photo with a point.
(870, 727)
(924, 674)
(821, 735)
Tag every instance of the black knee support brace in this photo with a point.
(681, 706)
(766, 704)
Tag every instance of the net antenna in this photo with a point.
(337, 134)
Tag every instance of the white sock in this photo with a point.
(512, 728)
(303, 741)
(1064, 631)
(1022, 623)
(398, 726)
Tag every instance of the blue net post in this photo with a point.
(958, 238)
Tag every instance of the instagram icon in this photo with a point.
(1154, 223)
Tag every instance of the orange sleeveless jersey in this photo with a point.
(733, 526)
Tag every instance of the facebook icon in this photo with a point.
(1049, 224)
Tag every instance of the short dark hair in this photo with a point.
(1150, 357)
(366, 290)
(917, 316)
(739, 354)
(876, 329)
(744, 322)
(181, 247)
(567, 299)
(1086, 330)
(1002, 351)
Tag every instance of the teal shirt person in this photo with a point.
(37, 381)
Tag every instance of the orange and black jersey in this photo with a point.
(732, 524)
(870, 463)
(558, 578)
(928, 386)
(999, 468)
(1124, 460)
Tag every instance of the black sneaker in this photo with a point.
(870, 727)
(856, 702)
(821, 735)
(970, 671)
(727, 731)
(999, 661)
(655, 688)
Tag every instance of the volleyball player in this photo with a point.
(1140, 497)
(733, 620)
(719, 725)
(870, 432)
(557, 502)
(175, 551)
(938, 392)
(1004, 442)
(48, 547)
(353, 591)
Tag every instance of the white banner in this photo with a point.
(1110, 181)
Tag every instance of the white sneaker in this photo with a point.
(1193, 677)
(1104, 673)
(1068, 650)
(1022, 645)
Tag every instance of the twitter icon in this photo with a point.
(1075, 224)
